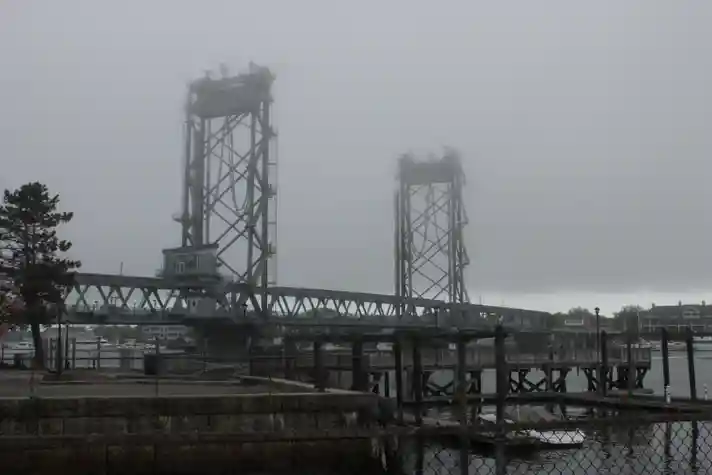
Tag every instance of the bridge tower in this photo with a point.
(430, 250)
(228, 203)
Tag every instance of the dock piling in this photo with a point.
(603, 372)
(418, 381)
(691, 364)
(666, 357)
(398, 354)
(461, 397)
(502, 379)
(630, 373)
(319, 379)
(358, 367)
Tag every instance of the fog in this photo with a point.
(584, 129)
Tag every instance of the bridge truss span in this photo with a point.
(117, 299)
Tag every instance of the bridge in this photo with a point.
(124, 300)
(223, 270)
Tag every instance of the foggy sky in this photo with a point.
(585, 129)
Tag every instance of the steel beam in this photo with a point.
(430, 251)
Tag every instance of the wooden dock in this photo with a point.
(476, 358)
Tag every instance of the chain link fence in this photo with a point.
(631, 444)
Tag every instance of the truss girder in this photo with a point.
(430, 219)
(228, 196)
(139, 300)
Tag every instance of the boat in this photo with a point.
(672, 346)
(642, 345)
(702, 343)
(21, 346)
(550, 438)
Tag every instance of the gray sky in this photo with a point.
(584, 126)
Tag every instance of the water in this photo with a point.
(660, 448)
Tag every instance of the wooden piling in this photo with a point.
(360, 378)
(631, 364)
(398, 353)
(666, 358)
(689, 340)
(418, 381)
(603, 373)
(501, 370)
(319, 376)
(461, 397)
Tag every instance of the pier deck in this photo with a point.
(477, 359)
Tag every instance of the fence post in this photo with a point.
(631, 364)
(318, 366)
(603, 373)
(157, 343)
(501, 388)
(398, 352)
(74, 353)
(98, 353)
(461, 397)
(418, 380)
(666, 358)
(359, 382)
(49, 355)
(689, 340)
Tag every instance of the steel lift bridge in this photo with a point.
(224, 268)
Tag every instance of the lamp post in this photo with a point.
(598, 333)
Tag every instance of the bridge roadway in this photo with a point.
(120, 299)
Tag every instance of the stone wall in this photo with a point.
(183, 434)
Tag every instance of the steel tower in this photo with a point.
(228, 195)
(430, 217)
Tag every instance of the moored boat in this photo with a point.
(548, 438)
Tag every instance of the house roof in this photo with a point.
(676, 310)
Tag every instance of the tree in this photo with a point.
(555, 321)
(31, 256)
(627, 318)
(11, 307)
(580, 312)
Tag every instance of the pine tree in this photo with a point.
(31, 256)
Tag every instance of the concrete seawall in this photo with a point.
(277, 428)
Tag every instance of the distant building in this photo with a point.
(164, 332)
(521, 322)
(78, 333)
(677, 317)
(585, 323)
